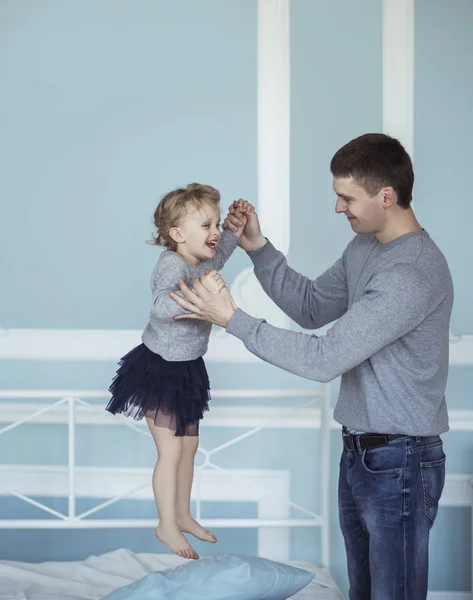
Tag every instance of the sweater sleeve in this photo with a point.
(225, 248)
(395, 302)
(165, 280)
(310, 303)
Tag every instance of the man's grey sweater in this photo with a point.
(185, 339)
(390, 343)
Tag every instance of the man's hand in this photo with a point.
(244, 208)
(205, 305)
(251, 237)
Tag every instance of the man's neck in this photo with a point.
(403, 221)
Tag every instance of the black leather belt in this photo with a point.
(365, 441)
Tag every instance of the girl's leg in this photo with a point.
(170, 451)
(184, 485)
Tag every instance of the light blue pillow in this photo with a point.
(227, 577)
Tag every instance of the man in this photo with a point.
(391, 296)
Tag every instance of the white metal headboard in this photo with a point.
(269, 489)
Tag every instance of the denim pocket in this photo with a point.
(385, 460)
(433, 480)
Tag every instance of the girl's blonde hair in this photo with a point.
(173, 207)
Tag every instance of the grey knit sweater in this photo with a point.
(184, 339)
(392, 305)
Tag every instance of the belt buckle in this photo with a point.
(349, 442)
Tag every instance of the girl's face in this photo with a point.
(198, 234)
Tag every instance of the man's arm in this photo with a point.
(310, 303)
(395, 302)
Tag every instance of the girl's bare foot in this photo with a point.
(175, 541)
(190, 525)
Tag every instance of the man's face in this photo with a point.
(365, 213)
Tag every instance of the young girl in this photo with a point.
(164, 379)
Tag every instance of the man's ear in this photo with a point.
(389, 197)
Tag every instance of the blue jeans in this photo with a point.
(388, 500)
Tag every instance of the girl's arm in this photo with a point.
(227, 244)
(165, 279)
(230, 240)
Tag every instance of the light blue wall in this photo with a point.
(443, 130)
(106, 105)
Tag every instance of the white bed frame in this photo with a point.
(269, 489)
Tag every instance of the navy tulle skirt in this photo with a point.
(174, 394)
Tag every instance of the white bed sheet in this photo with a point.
(99, 575)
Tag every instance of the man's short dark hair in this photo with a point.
(376, 160)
